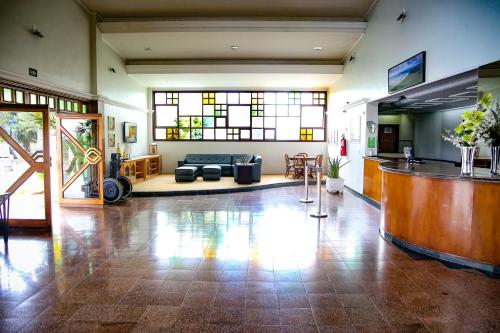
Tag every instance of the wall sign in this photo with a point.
(33, 72)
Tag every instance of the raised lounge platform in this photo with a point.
(165, 185)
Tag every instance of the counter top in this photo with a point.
(437, 170)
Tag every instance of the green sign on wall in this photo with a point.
(371, 142)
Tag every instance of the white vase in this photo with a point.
(334, 185)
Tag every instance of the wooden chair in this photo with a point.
(318, 162)
(299, 165)
(289, 166)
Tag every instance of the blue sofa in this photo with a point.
(226, 162)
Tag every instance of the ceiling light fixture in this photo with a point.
(235, 47)
(318, 48)
(148, 49)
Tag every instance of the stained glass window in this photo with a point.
(239, 115)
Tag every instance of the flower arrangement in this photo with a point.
(467, 133)
(489, 129)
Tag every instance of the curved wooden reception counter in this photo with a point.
(431, 209)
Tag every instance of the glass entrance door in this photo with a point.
(25, 163)
(80, 150)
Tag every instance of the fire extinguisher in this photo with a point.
(343, 146)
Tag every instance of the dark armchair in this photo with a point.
(256, 168)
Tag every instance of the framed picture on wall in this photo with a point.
(111, 140)
(407, 74)
(130, 132)
(111, 123)
(355, 128)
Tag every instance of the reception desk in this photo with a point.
(431, 209)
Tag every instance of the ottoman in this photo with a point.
(211, 172)
(186, 174)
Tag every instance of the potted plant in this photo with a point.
(489, 129)
(466, 136)
(333, 181)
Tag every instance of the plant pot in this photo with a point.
(334, 185)
(468, 153)
(495, 159)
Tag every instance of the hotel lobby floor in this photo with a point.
(239, 262)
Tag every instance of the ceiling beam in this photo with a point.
(224, 25)
(233, 66)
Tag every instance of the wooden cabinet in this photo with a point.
(372, 178)
(141, 168)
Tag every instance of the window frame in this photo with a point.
(239, 128)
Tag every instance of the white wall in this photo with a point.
(273, 153)
(458, 35)
(62, 57)
(124, 99)
(126, 115)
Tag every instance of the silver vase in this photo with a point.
(467, 160)
(495, 159)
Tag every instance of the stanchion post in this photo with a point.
(319, 213)
(306, 184)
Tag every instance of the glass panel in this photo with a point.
(51, 102)
(196, 134)
(294, 110)
(220, 134)
(196, 122)
(282, 98)
(19, 97)
(208, 110)
(85, 186)
(312, 116)
(208, 121)
(161, 134)
(72, 158)
(190, 104)
(43, 100)
(269, 134)
(245, 98)
(25, 128)
(61, 104)
(221, 122)
(166, 115)
(12, 166)
(75, 106)
(83, 130)
(318, 134)
(239, 116)
(84, 108)
(233, 98)
(28, 202)
(270, 110)
(184, 121)
(160, 98)
(33, 99)
(288, 128)
(306, 98)
(282, 110)
(257, 134)
(245, 134)
(220, 98)
(270, 122)
(184, 134)
(208, 134)
(269, 98)
(68, 106)
(7, 95)
(257, 122)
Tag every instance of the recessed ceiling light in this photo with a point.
(318, 48)
(234, 47)
(148, 49)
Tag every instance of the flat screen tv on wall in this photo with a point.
(407, 74)
(130, 132)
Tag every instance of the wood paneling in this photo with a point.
(141, 168)
(372, 178)
(452, 216)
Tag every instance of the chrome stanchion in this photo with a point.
(306, 184)
(319, 213)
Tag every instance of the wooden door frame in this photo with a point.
(100, 165)
(34, 166)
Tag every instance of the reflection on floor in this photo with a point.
(167, 183)
(241, 262)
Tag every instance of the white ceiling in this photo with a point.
(237, 80)
(217, 45)
(230, 8)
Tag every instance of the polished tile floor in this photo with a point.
(244, 262)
